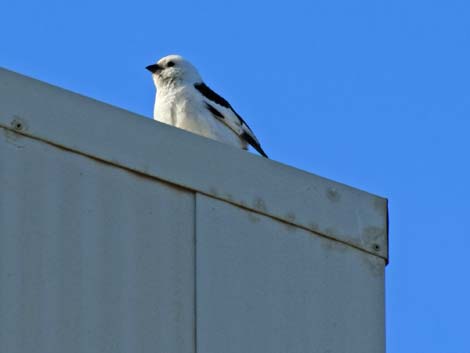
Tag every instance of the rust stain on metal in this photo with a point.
(333, 194)
(213, 191)
(13, 138)
(253, 217)
(314, 226)
(372, 237)
(374, 264)
(259, 204)
(330, 232)
(330, 245)
(290, 217)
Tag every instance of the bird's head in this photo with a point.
(173, 69)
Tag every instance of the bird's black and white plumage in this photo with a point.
(185, 101)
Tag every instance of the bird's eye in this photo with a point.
(170, 64)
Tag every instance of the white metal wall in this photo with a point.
(266, 286)
(119, 234)
(93, 258)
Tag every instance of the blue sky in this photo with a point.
(374, 94)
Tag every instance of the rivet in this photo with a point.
(17, 124)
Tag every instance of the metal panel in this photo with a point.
(93, 258)
(267, 286)
(114, 135)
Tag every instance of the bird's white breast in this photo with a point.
(183, 107)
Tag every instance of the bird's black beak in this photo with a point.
(154, 68)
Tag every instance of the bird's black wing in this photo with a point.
(217, 105)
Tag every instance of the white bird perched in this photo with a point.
(185, 101)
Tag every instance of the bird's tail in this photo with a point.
(254, 143)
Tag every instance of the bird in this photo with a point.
(186, 102)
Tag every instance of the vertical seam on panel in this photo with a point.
(195, 270)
